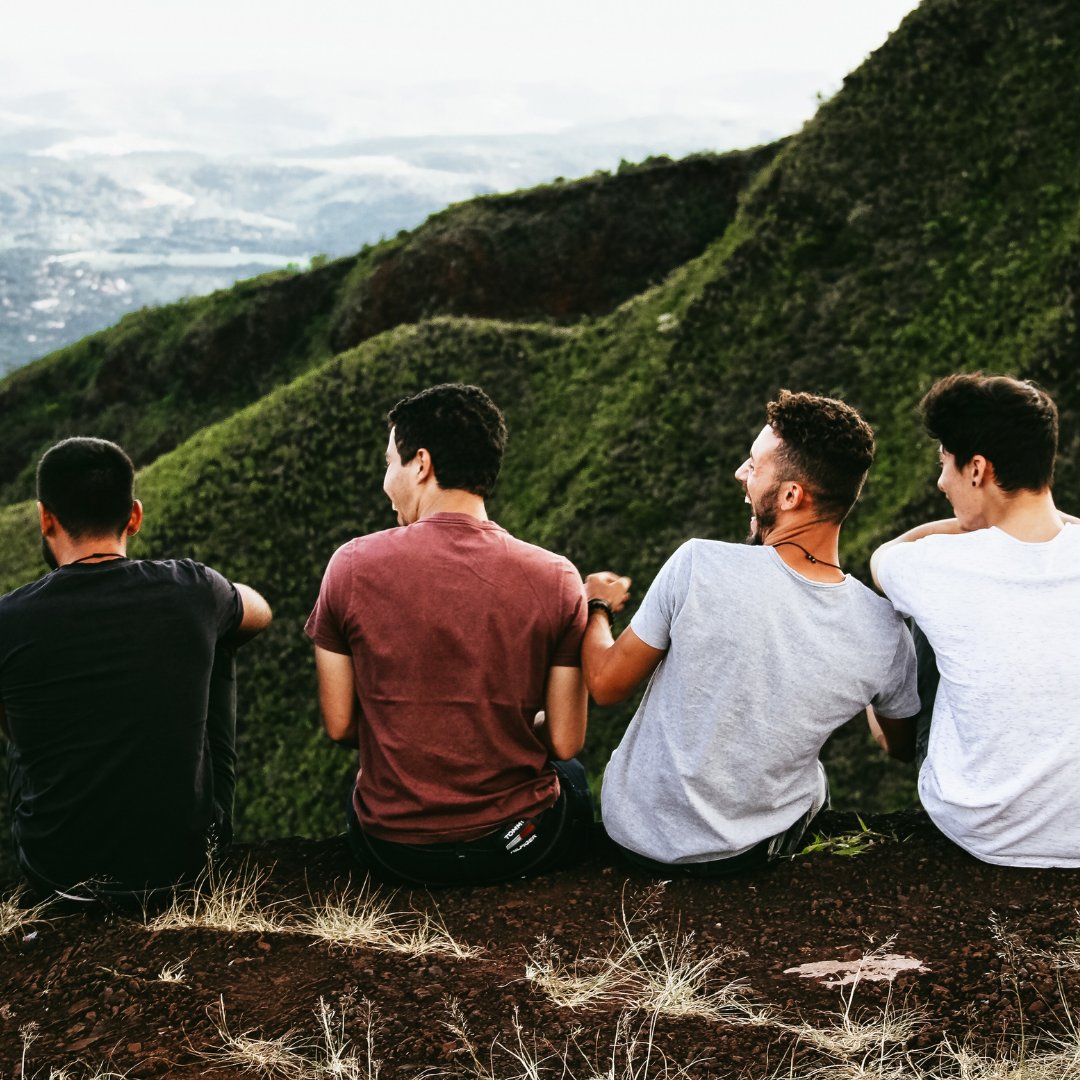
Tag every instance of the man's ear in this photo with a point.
(423, 465)
(46, 519)
(135, 521)
(982, 470)
(792, 495)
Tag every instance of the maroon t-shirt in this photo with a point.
(452, 625)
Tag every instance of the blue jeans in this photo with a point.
(557, 837)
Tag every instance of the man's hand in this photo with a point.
(896, 736)
(609, 587)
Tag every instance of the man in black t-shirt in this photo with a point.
(117, 692)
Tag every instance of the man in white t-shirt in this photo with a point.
(996, 591)
(757, 653)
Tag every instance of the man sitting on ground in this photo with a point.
(757, 653)
(117, 692)
(437, 645)
(996, 592)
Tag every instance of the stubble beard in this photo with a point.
(764, 519)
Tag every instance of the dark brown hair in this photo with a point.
(827, 447)
(1013, 424)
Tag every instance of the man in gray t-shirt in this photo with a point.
(757, 653)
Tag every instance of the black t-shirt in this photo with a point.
(104, 678)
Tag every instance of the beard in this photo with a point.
(47, 554)
(764, 520)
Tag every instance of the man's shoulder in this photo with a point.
(534, 553)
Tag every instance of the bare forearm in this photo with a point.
(942, 527)
(595, 657)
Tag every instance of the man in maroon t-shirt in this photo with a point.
(447, 651)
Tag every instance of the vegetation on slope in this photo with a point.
(925, 221)
(560, 251)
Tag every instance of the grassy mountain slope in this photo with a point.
(926, 220)
(560, 251)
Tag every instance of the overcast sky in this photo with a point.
(420, 67)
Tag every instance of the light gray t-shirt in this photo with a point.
(762, 665)
(1002, 772)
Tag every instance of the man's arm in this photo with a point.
(337, 695)
(566, 704)
(256, 615)
(613, 669)
(946, 526)
(895, 735)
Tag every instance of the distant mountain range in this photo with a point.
(95, 223)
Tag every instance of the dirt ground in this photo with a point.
(947, 961)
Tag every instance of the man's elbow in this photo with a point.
(257, 614)
(340, 730)
(565, 747)
(605, 691)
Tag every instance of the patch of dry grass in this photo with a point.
(645, 970)
(364, 919)
(73, 1071)
(327, 1055)
(223, 901)
(16, 915)
(633, 1055)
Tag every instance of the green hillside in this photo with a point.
(926, 220)
(559, 252)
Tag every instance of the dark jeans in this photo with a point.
(557, 837)
(221, 737)
(928, 680)
(783, 845)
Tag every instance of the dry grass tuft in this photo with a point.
(223, 901)
(863, 1032)
(644, 970)
(15, 915)
(76, 1071)
(173, 973)
(633, 1056)
(326, 1056)
(1060, 1062)
(365, 920)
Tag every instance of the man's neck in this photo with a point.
(453, 501)
(87, 551)
(810, 548)
(1029, 516)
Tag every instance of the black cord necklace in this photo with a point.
(98, 555)
(809, 557)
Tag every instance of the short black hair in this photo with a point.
(827, 446)
(460, 427)
(1011, 423)
(88, 485)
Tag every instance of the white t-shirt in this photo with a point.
(1002, 773)
(762, 665)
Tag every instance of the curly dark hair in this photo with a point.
(827, 446)
(1013, 424)
(460, 427)
(88, 485)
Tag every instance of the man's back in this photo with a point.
(104, 676)
(761, 666)
(452, 625)
(1003, 619)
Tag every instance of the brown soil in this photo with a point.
(87, 988)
